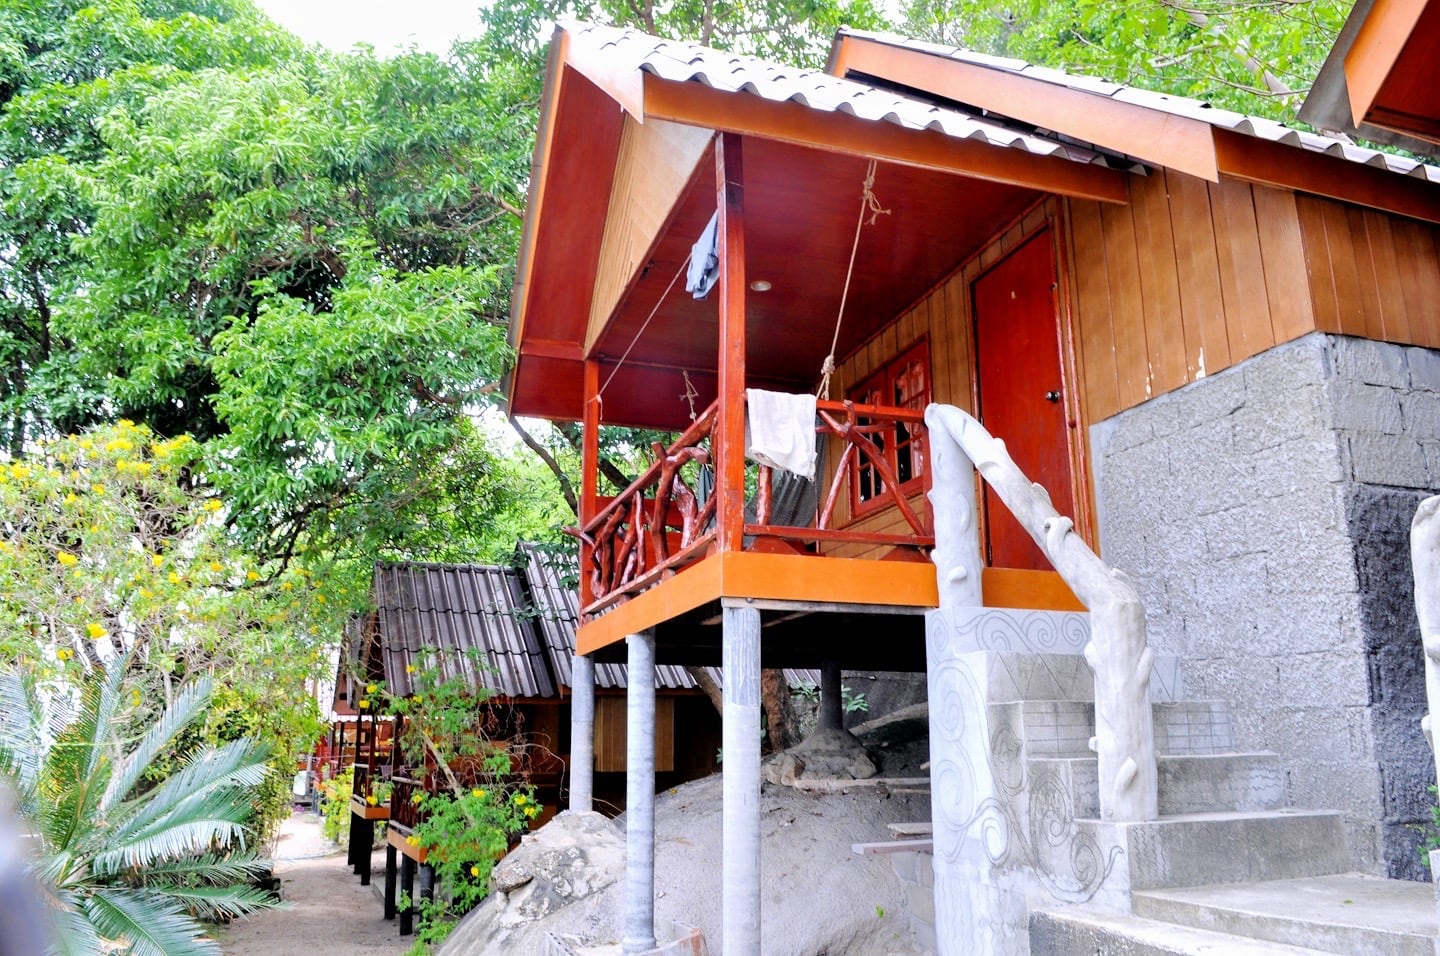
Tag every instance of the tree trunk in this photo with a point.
(711, 687)
(779, 709)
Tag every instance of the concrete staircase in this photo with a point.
(1227, 869)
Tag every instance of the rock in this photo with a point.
(900, 727)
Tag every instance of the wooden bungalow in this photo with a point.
(1210, 337)
(507, 632)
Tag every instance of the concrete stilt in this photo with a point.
(832, 712)
(640, 794)
(740, 905)
(582, 733)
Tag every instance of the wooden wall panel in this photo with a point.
(1242, 270)
(1202, 303)
(1371, 274)
(1095, 335)
(1165, 346)
(655, 162)
(1127, 304)
(1282, 254)
(610, 755)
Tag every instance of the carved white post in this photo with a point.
(1124, 729)
(957, 532)
(640, 793)
(1425, 559)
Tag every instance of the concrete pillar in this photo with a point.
(582, 733)
(832, 712)
(740, 904)
(640, 794)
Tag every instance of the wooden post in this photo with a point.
(407, 887)
(730, 429)
(390, 875)
(589, 472)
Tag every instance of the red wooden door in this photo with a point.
(1021, 389)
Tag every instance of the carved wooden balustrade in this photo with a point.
(664, 521)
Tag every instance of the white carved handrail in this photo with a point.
(1124, 738)
(1425, 561)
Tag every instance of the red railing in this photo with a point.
(661, 523)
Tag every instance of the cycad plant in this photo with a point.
(128, 864)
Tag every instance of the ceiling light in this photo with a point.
(760, 285)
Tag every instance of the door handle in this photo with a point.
(1052, 396)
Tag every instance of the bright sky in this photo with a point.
(384, 24)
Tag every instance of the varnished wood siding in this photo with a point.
(1193, 277)
(1189, 278)
(944, 319)
(1370, 274)
(610, 734)
(656, 160)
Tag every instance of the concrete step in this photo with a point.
(1063, 728)
(1080, 929)
(1230, 847)
(1203, 783)
(1343, 913)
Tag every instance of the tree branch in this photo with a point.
(566, 487)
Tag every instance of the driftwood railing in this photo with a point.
(664, 521)
(1117, 653)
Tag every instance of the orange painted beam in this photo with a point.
(695, 586)
(1375, 51)
(1035, 590)
(842, 133)
(729, 437)
(1273, 164)
(1151, 135)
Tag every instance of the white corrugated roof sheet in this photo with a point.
(1255, 126)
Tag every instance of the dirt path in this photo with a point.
(329, 911)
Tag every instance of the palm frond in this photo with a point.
(149, 925)
(208, 868)
(165, 843)
(218, 902)
(74, 935)
(177, 716)
(24, 723)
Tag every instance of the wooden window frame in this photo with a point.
(884, 382)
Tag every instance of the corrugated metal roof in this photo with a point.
(619, 49)
(467, 621)
(557, 612)
(1255, 126)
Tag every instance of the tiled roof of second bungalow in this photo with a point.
(735, 73)
(1255, 126)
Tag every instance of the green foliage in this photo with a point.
(473, 808)
(1430, 832)
(335, 805)
(1256, 58)
(129, 861)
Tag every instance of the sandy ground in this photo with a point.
(328, 910)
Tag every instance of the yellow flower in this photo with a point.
(216, 566)
(519, 799)
(532, 812)
(286, 585)
(364, 705)
(418, 797)
(409, 668)
(371, 688)
(64, 654)
(173, 578)
(372, 800)
(142, 468)
(320, 599)
(417, 698)
(156, 560)
(474, 870)
(71, 498)
(19, 472)
(118, 444)
(146, 593)
(95, 631)
(477, 793)
(213, 505)
(412, 841)
(98, 488)
(66, 559)
(252, 576)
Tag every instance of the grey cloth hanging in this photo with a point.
(704, 269)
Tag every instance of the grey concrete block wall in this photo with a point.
(1264, 513)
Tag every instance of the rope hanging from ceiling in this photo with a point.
(870, 205)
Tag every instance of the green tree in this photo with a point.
(1257, 58)
(129, 862)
